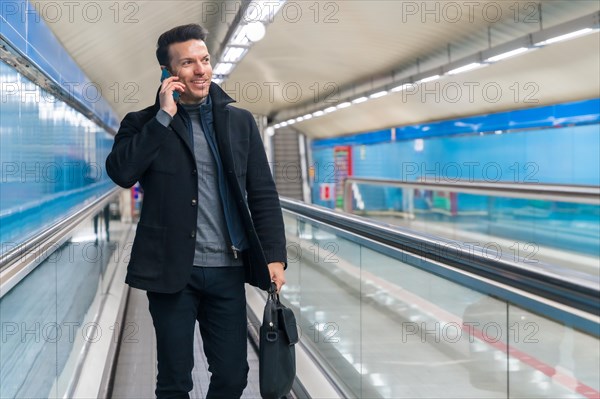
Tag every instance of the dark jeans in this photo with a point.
(215, 297)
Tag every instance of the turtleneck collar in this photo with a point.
(194, 108)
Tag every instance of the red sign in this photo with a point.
(325, 192)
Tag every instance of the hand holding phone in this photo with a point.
(166, 74)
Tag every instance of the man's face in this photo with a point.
(191, 62)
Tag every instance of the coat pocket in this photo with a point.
(148, 252)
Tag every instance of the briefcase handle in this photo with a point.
(270, 313)
(273, 291)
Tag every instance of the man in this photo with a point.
(211, 217)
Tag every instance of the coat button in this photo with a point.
(194, 172)
(194, 202)
(193, 234)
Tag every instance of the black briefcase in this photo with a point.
(277, 358)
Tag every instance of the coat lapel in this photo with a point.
(221, 123)
(182, 131)
(177, 125)
(223, 135)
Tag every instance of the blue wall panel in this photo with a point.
(13, 23)
(567, 155)
(558, 155)
(24, 29)
(555, 155)
(51, 157)
(558, 115)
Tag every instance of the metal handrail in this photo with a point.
(549, 192)
(549, 282)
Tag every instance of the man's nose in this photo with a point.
(199, 69)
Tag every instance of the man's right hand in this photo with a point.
(169, 85)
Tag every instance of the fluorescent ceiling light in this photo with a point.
(307, 116)
(566, 36)
(299, 119)
(223, 68)
(428, 79)
(378, 94)
(329, 109)
(401, 87)
(255, 31)
(276, 126)
(245, 32)
(359, 100)
(466, 68)
(217, 80)
(284, 124)
(344, 105)
(240, 37)
(318, 113)
(233, 54)
(290, 121)
(508, 54)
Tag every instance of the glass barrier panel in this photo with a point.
(550, 359)
(48, 318)
(530, 231)
(422, 335)
(328, 312)
(384, 328)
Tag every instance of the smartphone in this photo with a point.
(165, 74)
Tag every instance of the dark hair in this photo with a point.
(178, 34)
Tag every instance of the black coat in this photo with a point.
(162, 160)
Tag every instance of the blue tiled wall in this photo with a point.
(557, 155)
(27, 32)
(566, 155)
(51, 158)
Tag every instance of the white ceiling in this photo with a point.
(306, 56)
(558, 73)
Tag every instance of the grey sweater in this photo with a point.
(212, 237)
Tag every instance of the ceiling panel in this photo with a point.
(304, 60)
(117, 49)
(313, 49)
(554, 74)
